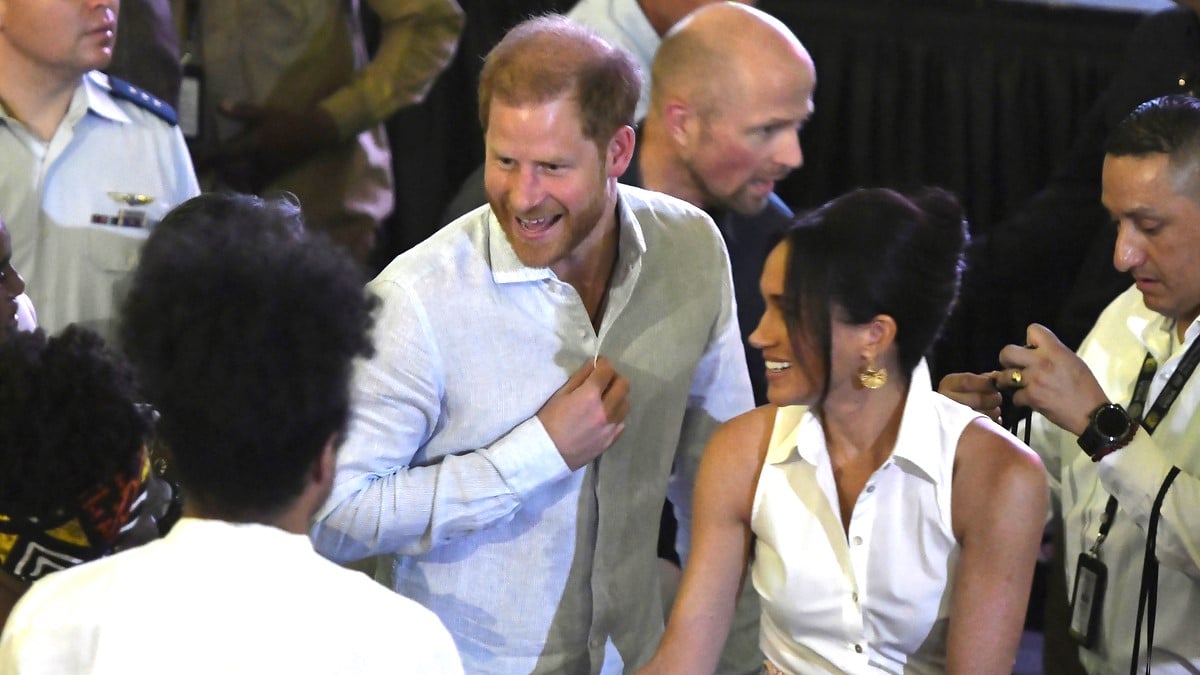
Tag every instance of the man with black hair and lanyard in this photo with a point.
(1116, 423)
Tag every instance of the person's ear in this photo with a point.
(681, 122)
(326, 462)
(879, 336)
(620, 151)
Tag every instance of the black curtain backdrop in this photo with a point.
(980, 98)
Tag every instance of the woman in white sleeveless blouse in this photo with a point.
(892, 529)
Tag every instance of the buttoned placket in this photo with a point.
(858, 538)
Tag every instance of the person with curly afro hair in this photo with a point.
(75, 478)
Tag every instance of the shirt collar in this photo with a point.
(632, 242)
(1157, 332)
(919, 427)
(508, 268)
(915, 444)
(92, 95)
(95, 94)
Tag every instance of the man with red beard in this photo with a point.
(90, 162)
(549, 367)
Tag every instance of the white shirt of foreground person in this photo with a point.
(875, 596)
(218, 597)
(448, 472)
(1114, 352)
(106, 156)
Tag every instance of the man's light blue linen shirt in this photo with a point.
(448, 475)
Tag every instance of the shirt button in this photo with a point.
(870, 489)
(857, 541)
(858, 649)
(854, 597)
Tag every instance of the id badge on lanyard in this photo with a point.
(1087, 598)
(1091, 580)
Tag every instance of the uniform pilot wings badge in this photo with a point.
(127, 215)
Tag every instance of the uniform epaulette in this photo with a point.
(143, 99)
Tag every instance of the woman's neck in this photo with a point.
(863, 423)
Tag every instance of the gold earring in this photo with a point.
(872, 377)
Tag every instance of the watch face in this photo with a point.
(1111, 421)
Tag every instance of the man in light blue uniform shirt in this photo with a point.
(89, 163)
(549, 367)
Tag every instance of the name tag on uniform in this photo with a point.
(1091, 579)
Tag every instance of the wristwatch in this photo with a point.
(1109, 430)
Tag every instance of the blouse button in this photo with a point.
(858, 649)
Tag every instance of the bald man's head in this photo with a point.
(708, 54)
(732, 86)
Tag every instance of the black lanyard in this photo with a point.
(1148, 593)
(1162, 404)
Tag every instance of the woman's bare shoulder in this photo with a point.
(746, 434)
(994, 473)
(985, 446)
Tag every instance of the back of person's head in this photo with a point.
(243, 328)
(876, 251)
(72, 459)
(548, 57)
(1167, 125)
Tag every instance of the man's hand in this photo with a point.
(1051, 379)
(272, 141)
(977, 392)
(587, 414)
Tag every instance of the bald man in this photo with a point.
(731, 87)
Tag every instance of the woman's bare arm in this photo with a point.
(999, 510)
(721, 538)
